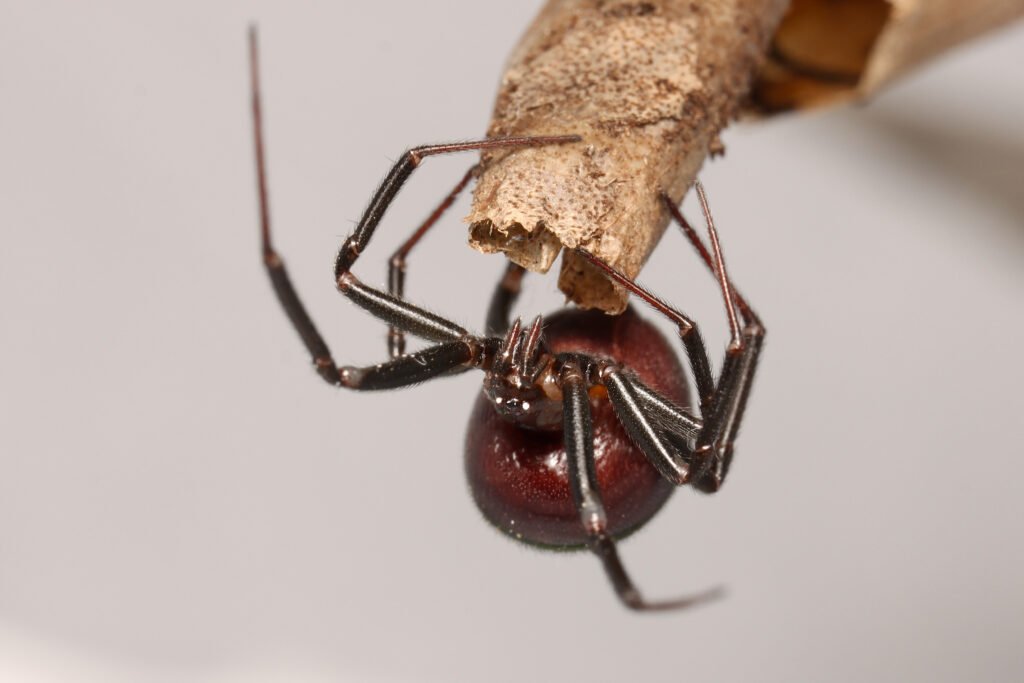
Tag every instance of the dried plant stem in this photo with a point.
(648, 85)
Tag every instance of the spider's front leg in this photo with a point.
(505, 294)
(454, 340)
(286, 294)
(376, 302)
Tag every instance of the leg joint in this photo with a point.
(328, 371)
(345, 280)
(347, 255)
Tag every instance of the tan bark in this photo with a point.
(648, 85)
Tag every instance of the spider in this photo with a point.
(581, 431)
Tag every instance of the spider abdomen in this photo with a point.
(519, 477)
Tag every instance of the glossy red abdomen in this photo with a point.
(519, 477)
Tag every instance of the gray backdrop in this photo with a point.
(182, 500)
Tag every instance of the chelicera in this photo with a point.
(582, 430)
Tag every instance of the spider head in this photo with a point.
(517, 383)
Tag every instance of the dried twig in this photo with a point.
(649, 85)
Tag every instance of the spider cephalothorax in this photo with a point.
(522, 382)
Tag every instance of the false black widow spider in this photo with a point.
(543, 386)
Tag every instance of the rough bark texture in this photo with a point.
(648, 85)
(827, 51)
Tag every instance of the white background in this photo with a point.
(182, 499)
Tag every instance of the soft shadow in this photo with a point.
(987, 162)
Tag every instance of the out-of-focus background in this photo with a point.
(181, 499)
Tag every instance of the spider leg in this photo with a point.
(434, 361)
(669, 456)
(722, 408)
(389, 308)
(505, 295)
(398, 312)
(676, 427)
(579, 447)
(715, 443)
(356, 243)
(286, 295)
(400, 172)
(749, 317)
(396, 265)
(688, 332)
(668, 416)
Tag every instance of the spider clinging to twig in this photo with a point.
(582, 430)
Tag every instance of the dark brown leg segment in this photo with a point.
(290, 302)
(714, 450)
(688, 332)
(504, 297)
(579, 447)
(396, 265)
